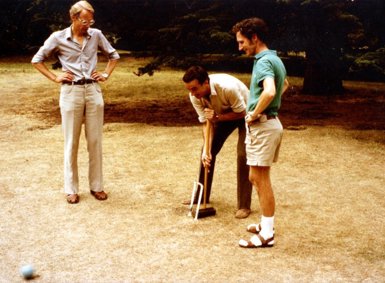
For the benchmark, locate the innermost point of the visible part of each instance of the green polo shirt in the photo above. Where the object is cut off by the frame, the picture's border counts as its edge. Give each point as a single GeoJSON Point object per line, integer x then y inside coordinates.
{"type": "Point", "coordinates": [266, 64]}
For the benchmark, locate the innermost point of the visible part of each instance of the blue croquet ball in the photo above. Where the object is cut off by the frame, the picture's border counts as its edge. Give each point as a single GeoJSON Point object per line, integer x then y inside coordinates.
{"type": "Point", "coordinates": [27, 271]}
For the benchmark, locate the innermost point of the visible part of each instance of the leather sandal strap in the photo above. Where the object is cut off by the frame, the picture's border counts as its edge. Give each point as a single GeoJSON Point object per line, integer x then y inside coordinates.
{"type": "Point", "coordinates": [265, 243]}
{"type": "Point", "coordinates": [254, 228]}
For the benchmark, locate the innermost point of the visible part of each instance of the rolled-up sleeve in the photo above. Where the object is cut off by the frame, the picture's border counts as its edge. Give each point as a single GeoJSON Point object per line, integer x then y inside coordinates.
{"type": "Point", "coordinates": [46, 50]}
{"type": "Point", "coordinates": [106, 48]}
{"type": "Point", "coordinates": [199, 108]}
{"type": "Point", "coordinates": [236, 99]}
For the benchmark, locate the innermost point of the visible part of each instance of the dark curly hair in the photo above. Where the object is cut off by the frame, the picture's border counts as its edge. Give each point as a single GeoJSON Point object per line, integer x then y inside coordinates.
{"type": "Point", "coordinates": [251, 26]}
{"type": "Point", "coordinates": [196, 73]}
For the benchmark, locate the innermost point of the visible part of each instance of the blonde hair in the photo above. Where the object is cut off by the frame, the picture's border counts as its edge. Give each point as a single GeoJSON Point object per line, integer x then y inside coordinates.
{"type": "Point", "coordinates": [79, 6]}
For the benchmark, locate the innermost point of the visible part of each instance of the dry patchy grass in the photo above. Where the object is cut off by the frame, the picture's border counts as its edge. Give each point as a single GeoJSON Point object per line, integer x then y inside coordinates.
{"type": "Point", "coordinates": [329, 186]}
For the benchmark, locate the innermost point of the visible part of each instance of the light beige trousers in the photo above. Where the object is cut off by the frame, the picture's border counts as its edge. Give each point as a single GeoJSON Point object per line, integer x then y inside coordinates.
{"type": "Point", "coordinates": [80, 103]}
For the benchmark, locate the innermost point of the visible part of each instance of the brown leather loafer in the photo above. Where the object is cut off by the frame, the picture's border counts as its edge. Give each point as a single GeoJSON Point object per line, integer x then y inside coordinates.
{"type": "Point", "coordinates": [242, 213]}
{"type": "Point", "coordinates": [99, 195]}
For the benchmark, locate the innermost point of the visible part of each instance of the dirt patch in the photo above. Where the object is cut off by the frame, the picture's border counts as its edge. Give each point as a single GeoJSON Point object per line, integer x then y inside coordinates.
{"type": "Point", "coordinates": [158, 112]}
{"type": "Point", "coordinates": [350, 111]}
{"type": "Point", "coordinates": [164, 100]}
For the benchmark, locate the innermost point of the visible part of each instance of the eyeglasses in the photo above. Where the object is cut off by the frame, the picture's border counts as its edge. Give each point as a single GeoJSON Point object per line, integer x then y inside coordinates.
{"type": "Point", "coordinates": [86, 23]}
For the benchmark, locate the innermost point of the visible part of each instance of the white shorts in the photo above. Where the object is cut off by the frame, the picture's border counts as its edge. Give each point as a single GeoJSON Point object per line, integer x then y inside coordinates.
{"type": "Point", "coordinates": [263, 141]}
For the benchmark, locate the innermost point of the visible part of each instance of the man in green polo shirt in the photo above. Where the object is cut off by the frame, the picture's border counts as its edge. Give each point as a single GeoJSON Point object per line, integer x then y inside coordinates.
{"type": "Point", "coordinates": [264, 130]}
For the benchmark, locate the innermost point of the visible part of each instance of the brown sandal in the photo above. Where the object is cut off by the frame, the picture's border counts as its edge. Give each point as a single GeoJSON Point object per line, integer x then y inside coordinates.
{"type": "Point", "coordinates": [99, 195]}
{"type": "Point", "coordinates": [73, 198]}
{"type": "Point", "coordinates": [254, 228]}
{"type": "Point", "coordinates": [268, 243]}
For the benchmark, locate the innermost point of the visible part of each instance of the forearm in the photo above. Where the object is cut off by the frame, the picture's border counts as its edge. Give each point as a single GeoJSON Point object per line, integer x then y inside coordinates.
{"type": "Point", "coordinates": [110, 66]}
{"type": "Point", "coordinates": [211, 135]}
{"type": "Point", "coordinates": [285, 86]}
{"type": "Point", "coordinates": [264, 101]}
{"type": "Point", "coordinates": [230, 116]}
{"type": "Point", "coordinates": [42, 68]}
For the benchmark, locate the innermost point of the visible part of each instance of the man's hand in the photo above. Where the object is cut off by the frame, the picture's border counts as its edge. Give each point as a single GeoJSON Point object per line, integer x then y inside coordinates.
{"type": "Point", "coordinates": [98, 77]}
{"type": "Point", "coordinates": [64, 77]}
{"type": "Point", "coordinates": [206, 159]}
{"type": "Point", "coordinates": [250, 119]}
{"type": "Point", "coordinates": [210, 114]}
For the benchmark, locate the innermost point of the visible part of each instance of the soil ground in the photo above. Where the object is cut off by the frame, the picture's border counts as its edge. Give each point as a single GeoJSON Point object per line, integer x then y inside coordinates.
{"type": "Point", "coordinates": [329, 185]}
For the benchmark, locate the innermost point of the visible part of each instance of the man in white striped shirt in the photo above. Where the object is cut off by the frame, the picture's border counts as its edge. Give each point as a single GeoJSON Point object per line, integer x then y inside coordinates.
{"type": "Point", "coordinates": [221, 99]}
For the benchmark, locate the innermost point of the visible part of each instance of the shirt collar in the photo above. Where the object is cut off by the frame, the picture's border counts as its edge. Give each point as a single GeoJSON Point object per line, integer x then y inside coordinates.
{"type": "Point", "coordinates": [68, 33]}
{"type": "Point", "coordinates": [263, 53]}
{"type": "Point", "coordinates": [212, 88]}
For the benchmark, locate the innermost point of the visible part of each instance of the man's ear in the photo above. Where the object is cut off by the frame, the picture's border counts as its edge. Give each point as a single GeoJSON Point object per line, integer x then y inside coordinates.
{"type": "Point", "coordinates": [254, 38]}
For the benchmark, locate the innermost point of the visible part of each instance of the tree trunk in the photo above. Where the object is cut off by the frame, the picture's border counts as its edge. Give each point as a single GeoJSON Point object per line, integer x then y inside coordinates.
{"type": "Point", "coordinates": [322, 74]}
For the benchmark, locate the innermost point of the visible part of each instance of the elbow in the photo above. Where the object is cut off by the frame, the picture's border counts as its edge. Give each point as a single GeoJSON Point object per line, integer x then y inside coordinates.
{"type": "Point", "coordinates": [270, 94]}
{"type": "Point", "coordinates": [286, 84]}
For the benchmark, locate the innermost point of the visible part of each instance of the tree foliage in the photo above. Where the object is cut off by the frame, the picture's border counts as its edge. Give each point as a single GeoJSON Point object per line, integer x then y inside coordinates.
{"type": "Point", "coordinates": [325, 30]}
{"type": "Point", "coordinates": [26, 24]}
{"type": "Point", "coordinates": [370, 66]}
{"type": "Point", "coordinates": [332, 33]}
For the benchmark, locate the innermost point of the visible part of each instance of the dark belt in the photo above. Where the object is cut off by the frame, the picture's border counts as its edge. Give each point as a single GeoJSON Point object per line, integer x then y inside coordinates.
{"type": "Point", "coordinates": [80, 82]}
{"type": "Point", "coordinates": [269, 117]}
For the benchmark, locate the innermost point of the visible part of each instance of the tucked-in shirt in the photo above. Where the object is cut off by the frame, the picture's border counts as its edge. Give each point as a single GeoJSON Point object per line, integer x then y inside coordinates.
{"type": "Point", "coordinates": [227, 94]}
{"type": "Point", "coordinates": [267, 64]}
{"type": "Point", "coordinates": [80, 60]}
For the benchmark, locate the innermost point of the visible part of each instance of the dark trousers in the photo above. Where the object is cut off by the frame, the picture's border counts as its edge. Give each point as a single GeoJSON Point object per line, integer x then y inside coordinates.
{"type": "Point", "coordinates": [222, 130]}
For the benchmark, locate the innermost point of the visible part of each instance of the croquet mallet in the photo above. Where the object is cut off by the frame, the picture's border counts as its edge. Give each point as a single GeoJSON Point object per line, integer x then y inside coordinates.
{"type": "Point", "coordinates": [206, 210]}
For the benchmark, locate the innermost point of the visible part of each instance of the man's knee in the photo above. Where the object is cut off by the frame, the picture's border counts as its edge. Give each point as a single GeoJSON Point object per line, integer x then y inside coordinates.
{"type": "Point", "coordinates": [253, 178]}
{"type": "Point", "coordinates": [258, 174]}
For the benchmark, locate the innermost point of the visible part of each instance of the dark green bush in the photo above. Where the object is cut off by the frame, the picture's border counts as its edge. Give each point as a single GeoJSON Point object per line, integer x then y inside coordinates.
{"type": "Point", "coordinates": [370, 66]}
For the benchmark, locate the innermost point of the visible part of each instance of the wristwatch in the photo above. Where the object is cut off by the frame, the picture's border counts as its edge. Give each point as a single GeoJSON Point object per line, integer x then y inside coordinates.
{"type": "Point", "coordinates": [105, 75]}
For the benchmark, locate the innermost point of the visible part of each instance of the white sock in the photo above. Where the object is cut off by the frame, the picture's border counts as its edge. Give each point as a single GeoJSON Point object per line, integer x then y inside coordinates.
{"type": "Point", "coordinates": [267, 227]}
